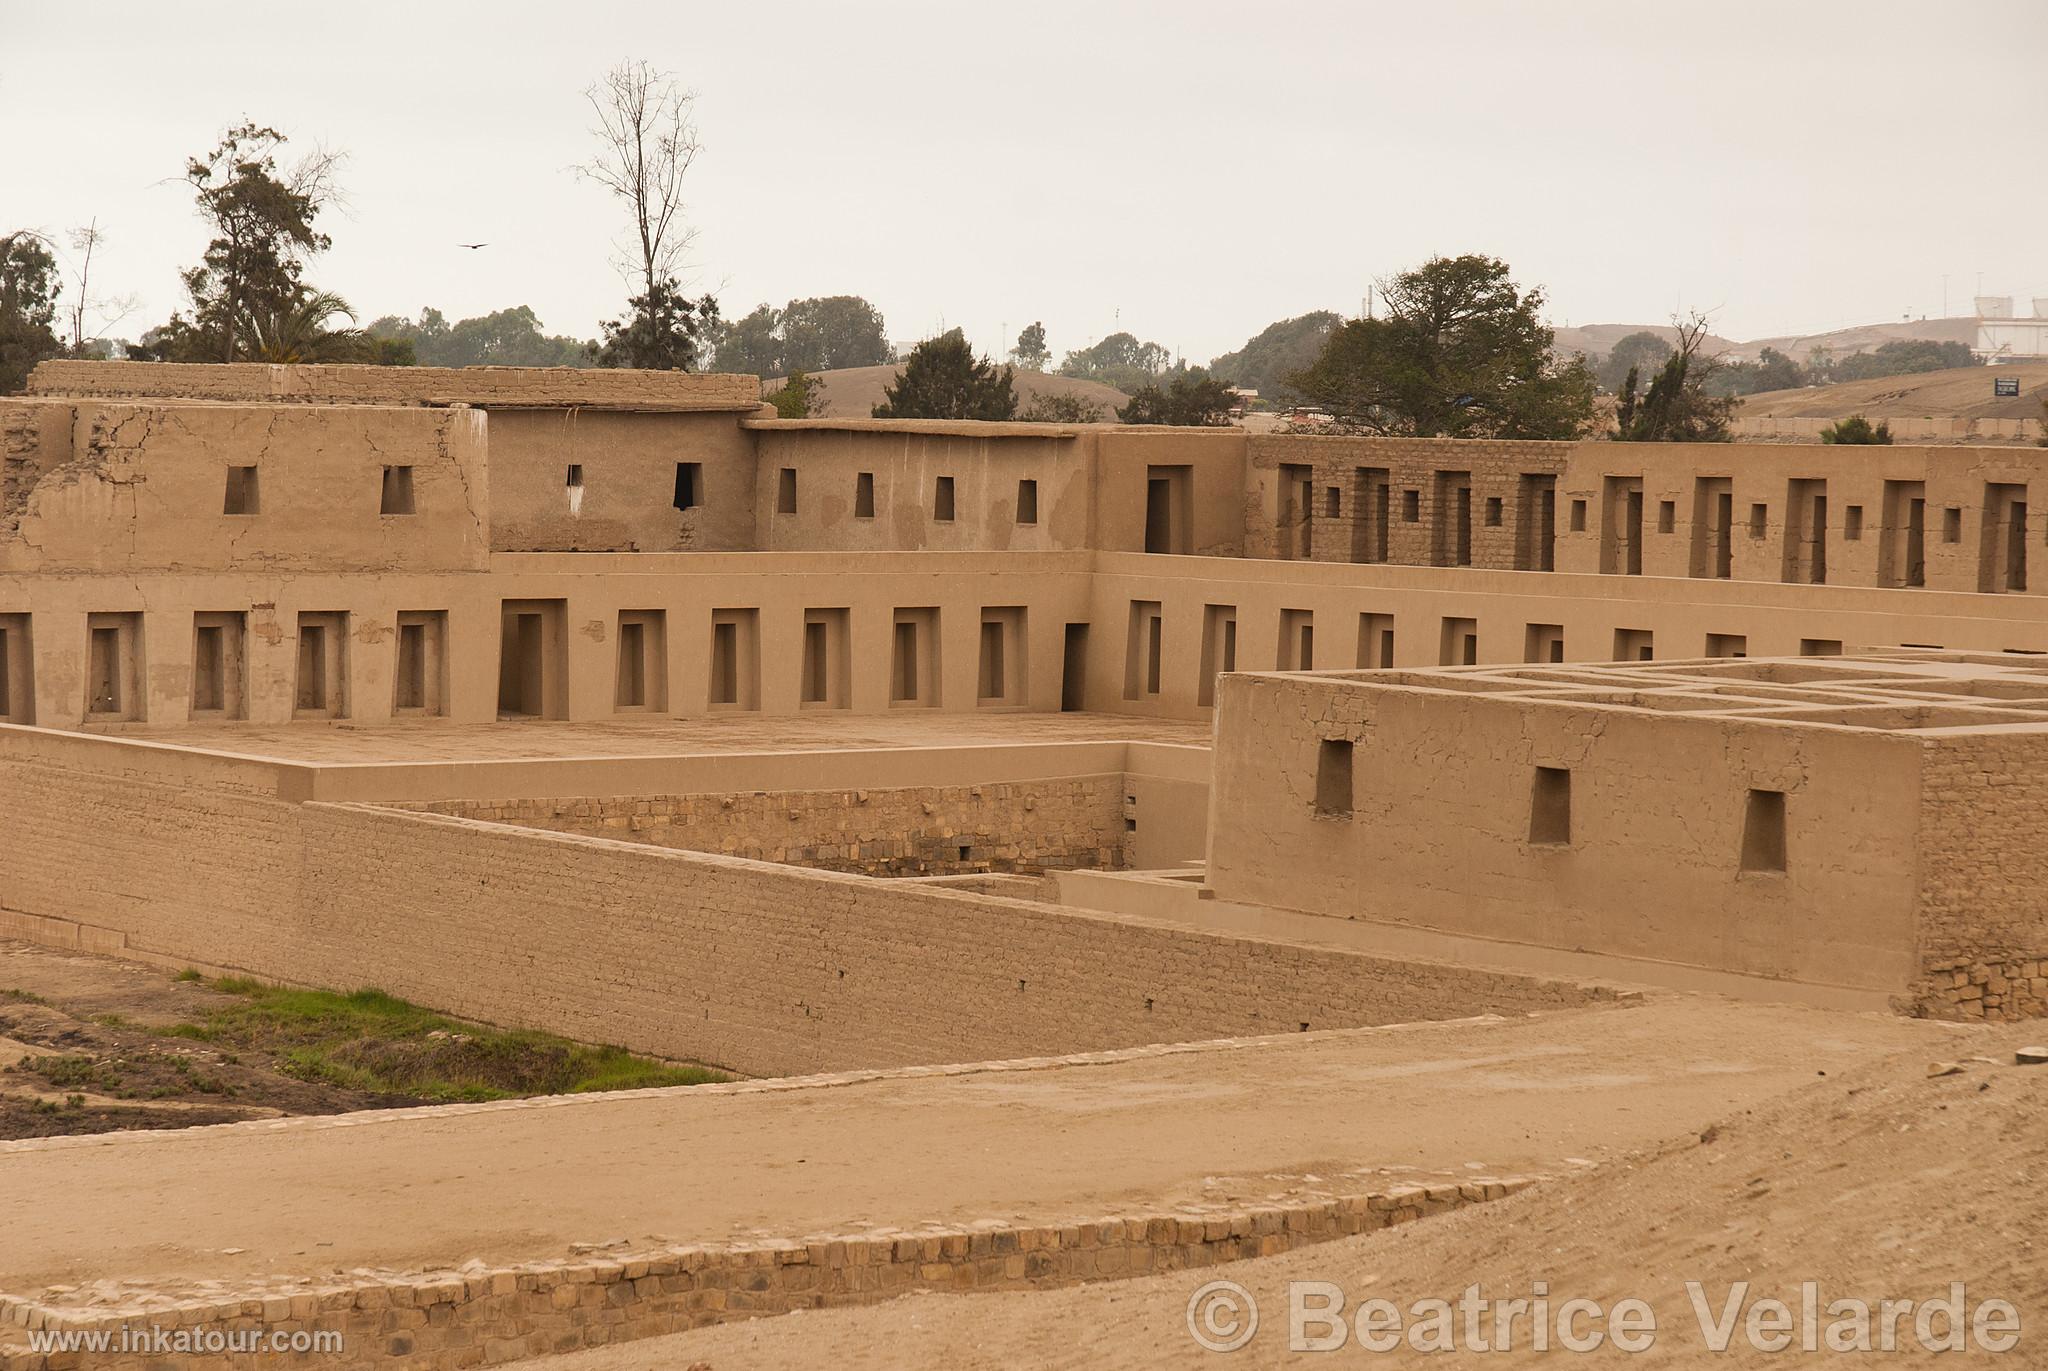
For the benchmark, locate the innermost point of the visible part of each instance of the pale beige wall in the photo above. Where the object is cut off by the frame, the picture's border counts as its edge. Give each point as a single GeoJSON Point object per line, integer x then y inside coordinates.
{"type": "Point", "coordinates": [595, 589]}
{"type": "Point", "coordinates": [629, 473]}
{"type": "Point", "coordinates": [761, 968]}
{"type": "Point", "coordinates": [126, 487]}
{"type": "Point", "coordinates": [1216, 458]}
{"type": "Point", "coordinates": [905, 464]}
{"type": "Point", "coordinates": [1775, 619]}
{"type": "Point", "coordinates": [1439, 833]}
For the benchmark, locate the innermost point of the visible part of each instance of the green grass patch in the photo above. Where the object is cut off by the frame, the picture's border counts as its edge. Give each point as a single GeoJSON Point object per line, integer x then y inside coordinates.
{"type": "Point", "coordinates": [22, 997]}
{"type": "Point", "coordinates": [377, 1043]}
{"type": "Point", "coordinates": [71, 1070]}
{"type": "Point", "coordinates": [190, 973]}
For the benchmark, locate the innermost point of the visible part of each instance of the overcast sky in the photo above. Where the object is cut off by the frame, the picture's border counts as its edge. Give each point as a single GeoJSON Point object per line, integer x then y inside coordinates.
{"type": "Point", "coordinates": [1186, 170]}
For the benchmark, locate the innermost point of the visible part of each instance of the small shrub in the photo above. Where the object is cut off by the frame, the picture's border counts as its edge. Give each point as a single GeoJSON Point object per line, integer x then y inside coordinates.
{"type": "Point", "coordinates": [1857, 431]}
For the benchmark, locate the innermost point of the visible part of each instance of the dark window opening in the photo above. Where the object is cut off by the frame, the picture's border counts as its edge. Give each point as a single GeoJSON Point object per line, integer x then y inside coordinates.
{"type": "Point", "coordinates": [242, 492]}
{"type": "Point", "coordinates": [942, 500]}
{"type": "Point", "coordinates": [864, 495]}
{"type": "Point", "coordinates": [785, 491]}
{"type": "Point", "coordinates": [396, 497]}
{"type": "Point", "coordinates": [1333, 779]}
{"type": "Point", "coordinates": [1763, 831]}
{"type": "Point", "coordinates": [1027, 502]}
{"type": "Point", "coordinates": [689, 485]}
{"type": "Point", "coordinates": [1550, 806]}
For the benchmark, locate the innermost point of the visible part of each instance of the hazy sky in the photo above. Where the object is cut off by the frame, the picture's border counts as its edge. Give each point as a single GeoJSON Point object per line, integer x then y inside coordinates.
{"type": "Point", "coordinates": [1186, 170]}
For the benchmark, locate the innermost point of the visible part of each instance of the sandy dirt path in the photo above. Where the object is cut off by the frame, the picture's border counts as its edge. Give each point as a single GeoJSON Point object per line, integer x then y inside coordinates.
{"type": "Point", "coordinates": [527, 1179]}
{"type": "Point", "coordinates": [1880, 1183]}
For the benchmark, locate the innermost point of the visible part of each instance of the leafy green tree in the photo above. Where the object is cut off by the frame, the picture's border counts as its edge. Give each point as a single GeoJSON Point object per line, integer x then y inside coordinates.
{"type": "Point", "coordinates": [1678, 408]}
{"type": "Point", "coordinates": [1772, 370]}
{"type": "Point", "coordinates": [1904, 357]}
{"type": "Point", "coordinates": [1031, 353]}
{"type": "Point", "coordinates": [28, 306]}
{"type": "Point", "coordinates": [824, 333]}
{"type": "Point", "coordinates": [1462, 352]}
{"type": "Point", "coordinates": [1192, 400]}
{"type": "Point", "coordinates": [943, 379]}
{"type": "Point", "coordinates": [504, 338]}
{"type": "Point", "coordinates": [302, 330]}
{"type": "Point", "coordinates": [1640, 351]}
{"type": "Point", "coordinates": [802, 396]}
{"type": "Point", "coordinates": [751, 345]}
{"type": "Point", "coordinates": [1119, 361]}
{"type": "Point", "coordinates": [833, 332]}
{"type": "Point", "coordinates": [262, 217]}
{"type": "Point", "coordinates": [661, 331]}
{"type": "Point", "coordinates": [1278, 351]}
{"type": "Point", "coordinates": [1857, 431]}
{"type": "Point", "coordinates": [1052, 407]}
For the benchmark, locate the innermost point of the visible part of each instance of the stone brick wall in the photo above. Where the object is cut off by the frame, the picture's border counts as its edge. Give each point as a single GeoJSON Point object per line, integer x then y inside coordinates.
{"type": "Point", "coordinates": [1983, 942]}
{"type": "Point", "coordinates": [479, 1315]}
{"type": "Point", "coordinates": [1026, 826]}
{"type": "Point", "coordinates": [366, 385]}
{"type": "Point", "coordinates": [764, 969]}
{"type": "Point", "coordinates": [1413, 464]}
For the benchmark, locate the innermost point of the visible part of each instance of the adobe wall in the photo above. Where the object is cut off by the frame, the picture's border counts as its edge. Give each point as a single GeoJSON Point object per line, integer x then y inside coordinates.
{"type": "Point", "coordinates": [1983, 943]}
{"type": "Point", "coordinates": [627, 461]}
{"type": "Point", "coordinates": [904, 463]}
{"type": "Point", "coordinates": [761, 968]}
{"type": "Point", "coordinates": [593, 590]}
{"type": "Point", "coordinates": [1278, 525]}
{"type": "Point", "coordinates": [1440, 829]}
{"type": "Point", "coordinates": [260, 383]}
{"type": "Point", "coordinates": [1680, 614]}
{"type": "Point", "coordinates": [939, 830]}
{"type": "Point", "coordinates": [123, 488]}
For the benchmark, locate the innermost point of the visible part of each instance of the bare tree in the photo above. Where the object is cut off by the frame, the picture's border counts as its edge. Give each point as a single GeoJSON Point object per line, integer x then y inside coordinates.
{"type": "Point", "coordinates": [107, 311]}
{"type": "Point", "coordinates": [646, 142]}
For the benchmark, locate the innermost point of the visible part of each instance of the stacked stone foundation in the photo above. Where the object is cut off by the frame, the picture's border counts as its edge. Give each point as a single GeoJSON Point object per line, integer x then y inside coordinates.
{"type": "Point", "coordinates": [481, 1315]}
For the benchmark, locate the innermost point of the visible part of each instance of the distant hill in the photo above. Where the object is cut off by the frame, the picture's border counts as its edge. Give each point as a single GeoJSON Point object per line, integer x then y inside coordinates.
{"type": "Point", "coordinates": [1597, 340]}
{"type": "Point", "coordinates": [1964, 393]}
{"type": "Point", "coordinates": [854, 392]}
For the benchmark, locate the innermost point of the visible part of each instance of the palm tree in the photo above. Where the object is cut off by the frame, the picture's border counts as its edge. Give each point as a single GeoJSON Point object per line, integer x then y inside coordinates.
{"type": "Point", "coordinates": [299, 331]}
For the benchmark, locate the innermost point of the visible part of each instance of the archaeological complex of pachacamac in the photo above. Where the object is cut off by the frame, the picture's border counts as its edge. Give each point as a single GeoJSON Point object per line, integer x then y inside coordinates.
{"type": "Point", "coordinates": [609, 704]}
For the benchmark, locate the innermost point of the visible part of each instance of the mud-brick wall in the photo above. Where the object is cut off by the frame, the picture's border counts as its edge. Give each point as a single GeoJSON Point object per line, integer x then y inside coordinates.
{"type": "Point", "coordinates": [1495, 469]}
{"type": "Point", "coordinates": [1983, 940]}
{"type": "Point", "coordinates": [1027, 826]}
{"type": "Point", "coordinates": [765, 969]}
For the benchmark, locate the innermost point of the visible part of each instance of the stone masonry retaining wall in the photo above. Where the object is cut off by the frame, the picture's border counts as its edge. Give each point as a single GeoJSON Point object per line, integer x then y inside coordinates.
{"type": "Point", "coordinates": [1983, 940]}
{"type": "Point", "coordinates": [1020, 826]}
{"type": "Point", "coordinates": [479, 1315]}
{"type": "Point", "coordinates": [331, 385]}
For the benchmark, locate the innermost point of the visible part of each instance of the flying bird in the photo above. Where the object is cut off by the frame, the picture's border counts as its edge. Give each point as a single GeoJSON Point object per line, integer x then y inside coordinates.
{"type": "Point", "coordinates": [472, 246]}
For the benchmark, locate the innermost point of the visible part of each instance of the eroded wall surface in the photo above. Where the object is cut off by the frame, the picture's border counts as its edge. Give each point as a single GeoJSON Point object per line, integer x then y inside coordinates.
{"type": "Point", "coordinates": [1984, 831]}
{"type": "Point", "coordinates": [1439, 829]}
{"type": "Point", "coordinates": [1004, 826]}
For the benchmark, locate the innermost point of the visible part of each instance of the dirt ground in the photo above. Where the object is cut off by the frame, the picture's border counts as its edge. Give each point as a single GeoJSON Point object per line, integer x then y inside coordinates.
{"type": "Point", "coordinates": [1882, 1182]}
{"type": "Point", "coordinates": [1233, 1122]}
{"type": "Point", "coordinates": [78, 1054]}
{"type": "Point", "coordinates": [94, 1044]}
